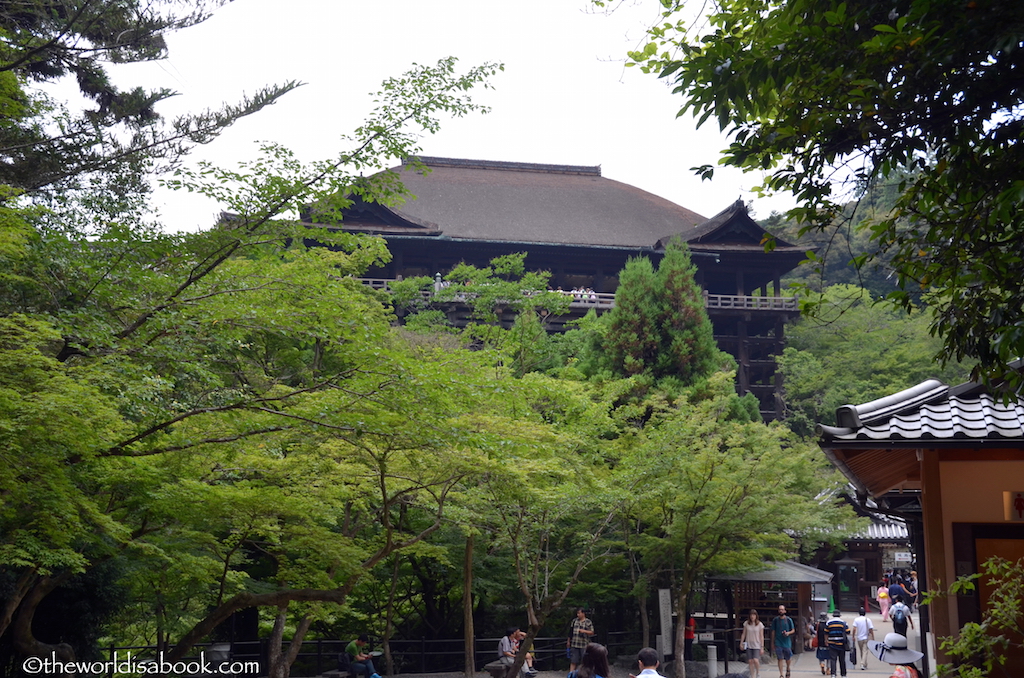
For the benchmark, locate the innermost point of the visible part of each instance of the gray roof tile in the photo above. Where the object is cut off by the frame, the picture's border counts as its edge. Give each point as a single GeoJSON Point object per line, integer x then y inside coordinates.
{"type": "Point", "coordinates": [975, 416]}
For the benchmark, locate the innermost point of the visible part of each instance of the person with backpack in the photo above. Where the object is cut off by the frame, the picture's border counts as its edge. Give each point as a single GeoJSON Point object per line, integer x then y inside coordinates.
{"type": "Point", "coordinates": [900, 616]}
{"type": "Point", "coordinates": [837, 633]}
{"type": "Point", "coordinates": [783, 630]}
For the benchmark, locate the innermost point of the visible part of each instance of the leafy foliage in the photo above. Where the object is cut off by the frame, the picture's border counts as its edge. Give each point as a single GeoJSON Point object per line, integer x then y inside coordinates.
{"type": "Point", "coordinates": [813, 93]}
{"type": "Point", "coordinates": [855, 350]}
{"type": "Point", "coordinates": [44, 146]}
{"type": "Point", "coordinates": [659, 326]}
{"type": "Point", "coordinates": [980, 647]}
{"type": "Point", "coordinates": [227, 413]}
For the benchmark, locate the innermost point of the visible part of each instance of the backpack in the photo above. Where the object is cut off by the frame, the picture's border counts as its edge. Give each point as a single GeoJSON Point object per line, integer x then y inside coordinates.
{"type": "Point", "coordinates": [899, 615]}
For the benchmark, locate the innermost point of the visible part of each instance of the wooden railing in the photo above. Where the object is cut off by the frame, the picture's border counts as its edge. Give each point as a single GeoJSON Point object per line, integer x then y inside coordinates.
{"type": "Point", "coordinates": [604, 302]}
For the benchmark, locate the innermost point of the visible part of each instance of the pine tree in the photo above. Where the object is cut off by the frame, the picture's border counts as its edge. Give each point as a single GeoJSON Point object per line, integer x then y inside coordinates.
{"type": "Point", "coordinates": [659, 326]}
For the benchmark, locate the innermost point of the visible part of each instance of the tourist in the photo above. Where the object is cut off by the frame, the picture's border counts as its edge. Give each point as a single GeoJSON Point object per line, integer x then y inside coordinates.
{"type": "Point", "coordinates": [821, 652]}
{"type": "Point", "coordinates": [783, 630]}
{"type": "Point", "coordinates": [647, 660]}
{"type": "Point", "coordinates": [507, 648]}
{"type": "Point", "coordinates": [752, 642]}
{"type": "Point", "coordinates": [579, 636]}
{"type": "Point", "coordinates": [863, 631]}
{"type": "Point", "coordinates": [883, 599]}
{"type": "Point", "coordinates": [894, 651]}
{"type": "Point", "coordinates": [360, 661]}
{"type": "Point", "coordinates": [594, 663]}
{"type": "Point", "coordinates": [836, 633]}
{"type": "Point", "coordinates": [900, 615]}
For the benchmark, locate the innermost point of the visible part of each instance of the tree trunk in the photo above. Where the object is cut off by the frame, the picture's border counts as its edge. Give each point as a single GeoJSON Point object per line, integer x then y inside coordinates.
{"type": "Point", "coordinates": [469, 633]}
{"type": "Point", "coordinates": [25, 641]}
{"type": "Point", "coordinates": [21, 589]}
{"type": "Point", "coordinates": [645, 621]}
{"type": "Point", "coordinates": [296, 644]}
{"type": "Point", "coordinates": [389, 617]}
{"type": "Point", "coordinates": [274, 659]}
{"type": "Point", "coordinates": [680, 635]}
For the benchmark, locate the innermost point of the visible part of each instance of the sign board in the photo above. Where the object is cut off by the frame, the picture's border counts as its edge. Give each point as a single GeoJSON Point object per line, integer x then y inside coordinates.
{"type": "Point", "coordinates": [705, 637]}
{"type": "Point", "coordinates": [902, 557]}
{"type": "Point", "coordinates": [1013, 506]}
{"type": "Point", "coordinates": [665, 614]}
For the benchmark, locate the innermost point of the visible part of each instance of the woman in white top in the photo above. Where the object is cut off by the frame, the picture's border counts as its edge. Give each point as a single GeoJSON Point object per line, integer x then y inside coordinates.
{"type": "Point", "coordinates": [752, 640]}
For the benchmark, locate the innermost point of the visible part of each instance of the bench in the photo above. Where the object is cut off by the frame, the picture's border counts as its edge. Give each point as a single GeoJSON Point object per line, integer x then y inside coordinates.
{"type": "Point", "coordinates": [335, 673]}
{"type": "Point", "coordinates": [496, 668]}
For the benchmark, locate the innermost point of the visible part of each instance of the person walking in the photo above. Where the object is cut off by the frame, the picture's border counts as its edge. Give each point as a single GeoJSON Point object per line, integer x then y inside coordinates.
{"type": "Point", "coordinates": [863, 631]}
{"type": "Point", "coordinates": [783, 630]}
{"type": "Point", "coordinates": [900, 615]}
{"type": "Point", "coordinates": [883, 600]}
{"type": "Point", "coordinates": [821, 652]}
{"type": "Point", "coordinates": [752, 641]}
{"type": "Point", "coordinates": [837, 632]}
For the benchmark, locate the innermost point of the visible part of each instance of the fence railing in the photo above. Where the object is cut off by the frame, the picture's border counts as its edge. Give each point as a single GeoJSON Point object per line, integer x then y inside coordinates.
{"type": "Point", "coordinates": [318, 656]}
{"type": "Point", "coordinates": [604, 301]}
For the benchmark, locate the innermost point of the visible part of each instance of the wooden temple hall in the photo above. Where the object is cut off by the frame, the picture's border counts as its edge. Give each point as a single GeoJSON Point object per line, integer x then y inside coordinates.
{"type": "Point", "coordinates": [582, 227]}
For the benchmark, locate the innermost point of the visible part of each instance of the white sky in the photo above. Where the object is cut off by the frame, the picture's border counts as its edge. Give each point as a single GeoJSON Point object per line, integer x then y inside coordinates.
{"type": "Point", "coordinates": [565, 96]}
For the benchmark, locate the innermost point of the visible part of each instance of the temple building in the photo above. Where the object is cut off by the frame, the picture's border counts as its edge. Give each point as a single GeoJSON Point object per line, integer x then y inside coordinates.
{"type": "Point", "coordinates": [582, 228]}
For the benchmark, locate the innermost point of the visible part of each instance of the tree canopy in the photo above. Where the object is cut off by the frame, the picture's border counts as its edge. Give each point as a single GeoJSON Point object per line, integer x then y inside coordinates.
{"type": "Point", "coordinates": [43, 144]}
{"type": "Point", "coordinates": [814, 93]}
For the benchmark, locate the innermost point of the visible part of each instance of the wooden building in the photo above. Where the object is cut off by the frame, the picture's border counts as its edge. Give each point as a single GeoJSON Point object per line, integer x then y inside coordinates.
{"type": "Point", "coordinates": [583, 227]}
{"type": "Point", "coordinates": [952, 459]}
{"type": "Point", "coordinates": [786, 583]}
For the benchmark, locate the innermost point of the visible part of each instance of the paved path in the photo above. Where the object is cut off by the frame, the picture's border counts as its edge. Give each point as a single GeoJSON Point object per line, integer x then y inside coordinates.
{"type": "Point", "coordinates": [805, 665]}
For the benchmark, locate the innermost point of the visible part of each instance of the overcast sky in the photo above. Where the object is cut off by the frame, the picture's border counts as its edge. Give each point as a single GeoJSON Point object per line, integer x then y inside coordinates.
{"type": "Point", "coordinates": [565, 96]}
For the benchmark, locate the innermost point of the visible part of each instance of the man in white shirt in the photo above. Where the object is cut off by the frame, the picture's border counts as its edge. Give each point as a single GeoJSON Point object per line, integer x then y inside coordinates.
{"type": "Point", "coordinates": [648, 660]}
{"type": "Point", "coordinates": [863, 631]}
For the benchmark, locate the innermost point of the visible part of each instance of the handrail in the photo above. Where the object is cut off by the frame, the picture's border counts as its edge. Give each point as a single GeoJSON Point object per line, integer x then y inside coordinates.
{"type": "Point", "coordinates": [604, 301]}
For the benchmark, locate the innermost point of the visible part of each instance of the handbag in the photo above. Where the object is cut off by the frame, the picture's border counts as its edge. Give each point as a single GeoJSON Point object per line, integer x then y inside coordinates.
{"type": "Point", "coordinates": [814, 641]}
{"type": "Point", "coordinates": [853, 656]}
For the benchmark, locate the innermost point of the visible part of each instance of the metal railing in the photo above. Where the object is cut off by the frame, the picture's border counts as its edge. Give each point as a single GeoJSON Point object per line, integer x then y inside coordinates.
{"type": "Point", "coordinates": [318, 656]}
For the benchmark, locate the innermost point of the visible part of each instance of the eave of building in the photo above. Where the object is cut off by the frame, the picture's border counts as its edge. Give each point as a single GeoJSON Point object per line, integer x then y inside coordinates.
{"type": "Point", "coordinates": [879, 443]}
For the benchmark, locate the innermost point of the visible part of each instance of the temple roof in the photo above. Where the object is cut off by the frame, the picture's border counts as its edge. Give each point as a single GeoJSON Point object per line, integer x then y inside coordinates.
{"type": "Point", "coordinates": [875, 444]}
{"type": "Point", "coordinates": [526, 202]}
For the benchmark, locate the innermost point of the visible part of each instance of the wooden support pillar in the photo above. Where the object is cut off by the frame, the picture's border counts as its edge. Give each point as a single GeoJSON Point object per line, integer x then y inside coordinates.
{"type": "Point", "coordinates": [743, 357]}
{"type": "Point", "coordinates": [938, 570]}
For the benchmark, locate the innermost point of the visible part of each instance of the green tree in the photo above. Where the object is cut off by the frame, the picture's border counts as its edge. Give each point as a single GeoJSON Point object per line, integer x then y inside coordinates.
{"type": "Point", "coordinates": [229, 407]}
{"type": "Point", "coordinates": [714, 494]}
{"type": "Point", "coordinates": [812, 92]}
{"type": "Point", "coordinates": [42, 144]}
{"type": "Point", "coordinates": [980, 648]}
{"type": "Point", "coordinates": [855, 350]}
{"type": "Point", "coordinates": [659, 326]}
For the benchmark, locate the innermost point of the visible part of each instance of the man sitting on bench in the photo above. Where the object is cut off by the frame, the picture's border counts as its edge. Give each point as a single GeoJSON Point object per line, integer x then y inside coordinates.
{"type": "Point", "coordinates": [507, 648]}
{"type": "Point", "coordinates": [360, 662]}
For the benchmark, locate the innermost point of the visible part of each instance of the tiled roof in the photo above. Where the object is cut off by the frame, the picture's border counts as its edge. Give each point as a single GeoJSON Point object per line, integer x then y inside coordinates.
{"type": "Point", "coordinates": [929, 412]}
{"type": "Point", "coordinates": [785, 571]}
{"type": "Point", "coordinates": [885, 530]}
{"type": "Point", "coordinates": [526, 202]}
